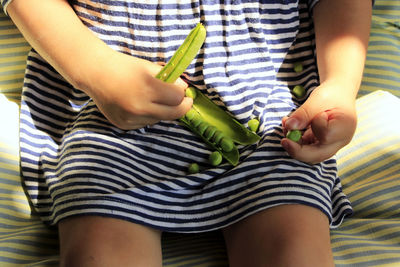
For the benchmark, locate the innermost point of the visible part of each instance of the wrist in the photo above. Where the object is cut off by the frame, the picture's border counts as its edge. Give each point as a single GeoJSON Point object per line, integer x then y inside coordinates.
{"type": "Point", "coordinates": [331, 95]}
{"type": "Point", "coordinates": [87, 71]}
{"type": "Point", "coordinates": [341, 88]}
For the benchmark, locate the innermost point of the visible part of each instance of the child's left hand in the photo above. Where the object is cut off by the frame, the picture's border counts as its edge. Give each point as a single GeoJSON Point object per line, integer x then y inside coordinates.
{"type": "Point", "coordinates": [329, 120]}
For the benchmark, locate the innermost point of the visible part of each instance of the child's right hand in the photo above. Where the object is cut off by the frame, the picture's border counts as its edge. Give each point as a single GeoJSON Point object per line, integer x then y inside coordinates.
{"type": "Point", "coordinates": [123, 87]}
{"type": "Point", "coordinates": [126, 91]}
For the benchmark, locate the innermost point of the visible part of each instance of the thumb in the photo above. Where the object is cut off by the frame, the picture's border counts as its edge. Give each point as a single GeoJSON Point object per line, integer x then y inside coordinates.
{"type": "Point", "coordinates": [298, 120]}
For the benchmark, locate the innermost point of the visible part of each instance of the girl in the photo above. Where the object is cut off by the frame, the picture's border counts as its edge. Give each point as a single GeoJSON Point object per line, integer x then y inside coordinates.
{"type": "Point", "coordinates": [105, 160]}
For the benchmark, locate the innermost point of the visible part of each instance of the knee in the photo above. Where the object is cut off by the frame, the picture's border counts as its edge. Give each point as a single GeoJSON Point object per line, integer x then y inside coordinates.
{"type": "Point", "coordinates": [283, 236]}
{"type": "Point", "coordinates": [78, 252]}
{"type": "Point", "coordinates": [301, 242]}
{"type": "Point", "coordinates": [299, 250]}
{"type": "Point", "coordinates": [96, 241]}
{"type": "Point", "coordinates": [78, 257]}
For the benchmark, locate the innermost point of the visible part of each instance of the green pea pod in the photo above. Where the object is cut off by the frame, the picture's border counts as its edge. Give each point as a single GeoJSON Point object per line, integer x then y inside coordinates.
{"type": "Point", "coordinates": [216, 127]}
{"type": "Point", "coordinates": [184, 55]}
{"type": "Point", "coordinates": [216, 116]}
{"type": "Point", "coordinates": [226, 129]}
{"type": "Point", "coordinates": [232, 156]}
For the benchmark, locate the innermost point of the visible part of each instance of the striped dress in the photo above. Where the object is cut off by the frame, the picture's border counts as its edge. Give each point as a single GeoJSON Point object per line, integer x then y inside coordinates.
{"type": "Point", "coordinates": [74, 162]}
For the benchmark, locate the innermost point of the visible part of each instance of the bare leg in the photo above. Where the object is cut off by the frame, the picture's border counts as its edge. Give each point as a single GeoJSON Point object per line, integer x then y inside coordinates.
{"type": "Point", "coordinates": [287, 235]}
{"type": "Point", "coordinates": [99, 241]}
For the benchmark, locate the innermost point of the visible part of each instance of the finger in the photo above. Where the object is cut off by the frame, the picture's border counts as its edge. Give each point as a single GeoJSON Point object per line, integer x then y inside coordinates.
{"type": "Point", "coordinates": [285, 130]}
{"type": "Point", "coordinates": [298, 120]}
{"type": "Point", "coordinates": [333, 126]}
{"type": "Point", "coordinates": [320, 127]}
{"type": "Point", "coordinates": [134, 122]}
{"type": "Point", "coordinates": [308, 137]}
{"type": "Point", "coordinates": [165, 112]}
{"type": "Point", "coordinates": [342, 126]}
{"type": "Point", "coordinates": [140, 122]}
{"type": "Point", "coordinates": [156, 113]}
{"type": "Point", "coordinates": [181, 83]}
{"type": "Point", "coordinates": [169, 94]}
{"type": "Point", "coordinates": [311, 154]}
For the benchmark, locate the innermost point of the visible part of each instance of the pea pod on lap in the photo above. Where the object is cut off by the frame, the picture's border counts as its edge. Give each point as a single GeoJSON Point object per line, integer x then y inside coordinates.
{"type": "Point", "coordinates": [216, 127]}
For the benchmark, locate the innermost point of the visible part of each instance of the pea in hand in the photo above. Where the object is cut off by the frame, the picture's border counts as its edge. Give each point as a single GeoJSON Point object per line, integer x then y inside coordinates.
{"type": "Point", "coordinates": [328, 123]}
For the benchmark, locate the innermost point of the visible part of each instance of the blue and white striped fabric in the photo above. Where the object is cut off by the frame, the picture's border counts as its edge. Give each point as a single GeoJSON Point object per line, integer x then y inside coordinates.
{"type": "Point", "coordinates": [75, 162]}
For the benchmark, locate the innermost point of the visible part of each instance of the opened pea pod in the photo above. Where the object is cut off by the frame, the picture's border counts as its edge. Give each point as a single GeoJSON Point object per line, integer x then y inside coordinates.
{"type": "Point", "coordinates": [216, 127]}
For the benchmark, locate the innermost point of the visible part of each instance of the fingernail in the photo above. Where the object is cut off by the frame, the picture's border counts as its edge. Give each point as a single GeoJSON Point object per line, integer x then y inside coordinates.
{"type": "Point", "coordinates": [292, 123]}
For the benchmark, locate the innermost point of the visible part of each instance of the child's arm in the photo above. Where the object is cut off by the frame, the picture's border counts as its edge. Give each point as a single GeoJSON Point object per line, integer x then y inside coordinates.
{"type": "Point", "coordinates": [342, 30]}
{"type": "Point", "coordinates": [122, 86]}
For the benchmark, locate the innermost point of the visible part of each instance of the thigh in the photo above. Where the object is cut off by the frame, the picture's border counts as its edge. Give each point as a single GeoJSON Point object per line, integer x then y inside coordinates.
{"type": "Point", "coordinates": [100, 241]}
{"type": "Point", "coordinates": [286, 235]}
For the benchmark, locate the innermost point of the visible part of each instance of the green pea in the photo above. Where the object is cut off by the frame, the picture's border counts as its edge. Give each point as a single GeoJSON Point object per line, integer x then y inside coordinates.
{"type": "Point", "coordinates": [294, 135]}
{"type": "Point", "coordinates": [298, 67]}
{"type": "Point", "coordinates": [190, 114]}
{"type": "Point", "coordinates": [193, 168]}
{"type": "Point", "coordinates": [215, 158]}
{"type": "Point", "coordinates": [196, 116]}
{"type": "Point", "coordinates": [197, 119]}
{"type": "Point", "coordinates": [191, 92]}
{"type": "Point", "coordinates": [202, 127]}
{"type": "Point", "coordinates": [209, 133]}
{"type": "Point", "coordinates": [218, 135]}
{"type": "Point", "coordinates": [227, 144]}
{"type": "Point", "coordinates": [254, 124]}
{"type": "Point", "coordinates": [299, 91]}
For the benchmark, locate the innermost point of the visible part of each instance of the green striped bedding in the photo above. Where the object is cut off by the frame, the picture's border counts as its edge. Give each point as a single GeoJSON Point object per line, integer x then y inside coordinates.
{"type": "Point", "coordinates": [370, 172]}
{"type": "Point", "coordinates": [369, 167]}
{"type": "Point", "coordinates": [13, 52]}
{"type": "Point", "coordinates": [382, 69]}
